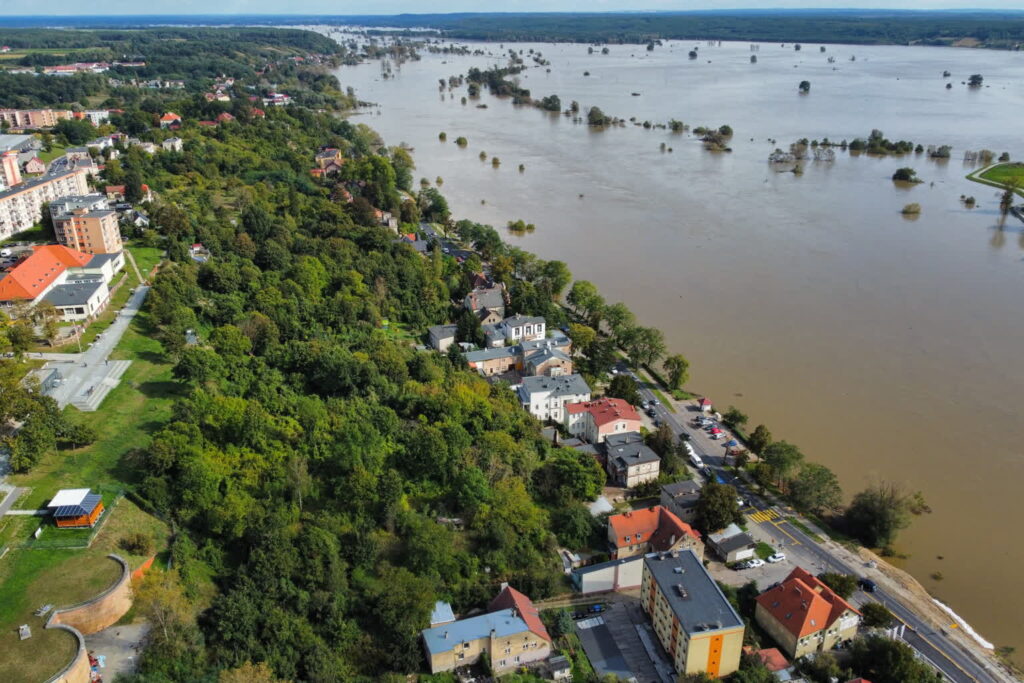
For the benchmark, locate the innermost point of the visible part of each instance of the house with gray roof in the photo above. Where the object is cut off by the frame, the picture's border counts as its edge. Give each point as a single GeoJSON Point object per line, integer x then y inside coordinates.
{"type": "Point", "coordinates": [732, 544]}
{"type": "Point", "coordinates": [546, 397]}
{"type": "Point", "coordinates": [628, 460]}
{"type": "Point", "coordinates": [492, 298]}
{"type": "Point", "coordinates": [681, 498]}
{"type": "Point", "coordinates": [441, 337]}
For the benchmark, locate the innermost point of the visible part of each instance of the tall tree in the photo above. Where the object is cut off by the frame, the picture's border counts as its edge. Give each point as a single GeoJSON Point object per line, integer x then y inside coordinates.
{"type": "Point", "coordinates": [815, 488]}
{"type": "Point", "coordinates": [678, 370]}
{"type": "Point", "coordinates": [759, 439]}
{"type": "Point", "coordinates": [784, 458]}
{"type": "Point", "coordinates": [878, 513]}
{"type": "Point", "coordinates": [717, 507]}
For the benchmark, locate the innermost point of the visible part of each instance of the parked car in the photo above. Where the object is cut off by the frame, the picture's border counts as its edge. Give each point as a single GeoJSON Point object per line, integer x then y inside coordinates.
{"type": "Point", "coordinates": [689, 449]}
{"type": "Point", "coordinates": [652, 412]}
{"type": "Point", "coordinates": [739, 501]}
{"type": "Point", "coordinates": [755, 563]}
{"type": "Point", "coordinates": [867, 585]}
{"type": "Point", "coordinates": [777, 557]}
{"type": "Point", "coordinates": [695, 459]}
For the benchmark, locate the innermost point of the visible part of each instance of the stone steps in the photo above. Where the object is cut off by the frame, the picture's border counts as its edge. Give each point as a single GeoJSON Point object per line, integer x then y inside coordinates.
{"type": "Point", "coordinates": [90, 398]}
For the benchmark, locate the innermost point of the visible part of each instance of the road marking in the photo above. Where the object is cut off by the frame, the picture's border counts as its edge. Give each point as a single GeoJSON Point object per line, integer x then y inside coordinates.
{"type": "Point", "coordinates": [922, 636]}
{"type": "Point", "coordinates": [764, 516]}
{"type": "Point", "coordinates": [778, 525]}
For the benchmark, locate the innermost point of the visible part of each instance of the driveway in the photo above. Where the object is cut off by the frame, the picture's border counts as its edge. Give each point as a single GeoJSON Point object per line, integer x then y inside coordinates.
{"type": "Point", "coordinates": [120, 647]}
{"type": "Point", "coordinates": [90, 375]}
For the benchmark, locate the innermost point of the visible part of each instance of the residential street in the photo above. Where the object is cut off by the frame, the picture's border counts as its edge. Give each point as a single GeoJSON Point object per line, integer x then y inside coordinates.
{"type": "Point", "coordinates": [770, 523]}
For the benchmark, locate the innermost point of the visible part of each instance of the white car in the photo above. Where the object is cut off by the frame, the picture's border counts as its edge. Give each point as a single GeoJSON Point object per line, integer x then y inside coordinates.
{"type": "Point", "coordinates": [689, 449]}
{"type": "Point", "coordinates": [777, 557]}
{"type": "Point", "coordinates": [754, 563]}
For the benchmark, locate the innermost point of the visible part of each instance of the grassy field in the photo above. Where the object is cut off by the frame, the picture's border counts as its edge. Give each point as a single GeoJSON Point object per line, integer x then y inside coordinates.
{"type": "Point", "coordinates": [32, 578]}
{"type": "Point", "coordinates": [1006, 174]}
{"type": "Point", "coordinates": [146, 258]}
{"type": "Point", "coordinates": [54, 152]}
{"type": "Point", "coordinates": [137, 407]}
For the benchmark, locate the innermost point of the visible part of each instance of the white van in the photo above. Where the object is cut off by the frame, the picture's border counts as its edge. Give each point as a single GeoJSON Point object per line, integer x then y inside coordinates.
{"type": "Point", "coordinates": [5, 252]}
{"type": "Point", "coordinates": [695, 459]}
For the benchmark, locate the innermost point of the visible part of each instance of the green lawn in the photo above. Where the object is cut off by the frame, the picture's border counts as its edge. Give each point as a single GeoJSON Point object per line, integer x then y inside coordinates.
{"type": "Point", "coordinates": [764, 551]}
{"type": "Point", "coordinates": [146, 258]}
{"type": "Point", "coordinates": [54, 152]}
{"type": "Point", "coordinates": [1006, 173]}
{"type": "Point", "coordinates": [32, 578]}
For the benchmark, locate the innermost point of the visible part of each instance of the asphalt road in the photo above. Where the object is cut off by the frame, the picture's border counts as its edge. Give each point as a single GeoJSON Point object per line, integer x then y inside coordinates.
{"type": "Point", "coordinates": [955, 662]}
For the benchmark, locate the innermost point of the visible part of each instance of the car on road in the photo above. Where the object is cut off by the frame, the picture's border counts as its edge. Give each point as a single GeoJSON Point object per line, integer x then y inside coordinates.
{"type": "Point", "coordinates": [867, 585]}
{"type": "Point", "coordinates": [655, 402]}
{"type": "Point", "coordinates": [685, 436]}
{"type": "Point", "coordinates": [657, 422]}
{"type": "Point", "coordinates": [652, 412]}
{"type": "Point", "coordinates": [777, 557]}
{"type": "Point", "coordinates": [742, 503]}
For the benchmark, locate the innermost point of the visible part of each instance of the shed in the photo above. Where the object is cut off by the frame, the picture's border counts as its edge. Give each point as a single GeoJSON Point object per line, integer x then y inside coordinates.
{"type": "Point", "coordinates": [76, 508]}
{"type": "Point", "coordinates": [705, 405]}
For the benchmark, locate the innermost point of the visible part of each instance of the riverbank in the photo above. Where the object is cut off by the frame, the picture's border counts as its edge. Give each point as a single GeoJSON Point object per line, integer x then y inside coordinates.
{"type": "Point", "coordinates": [1001, 175]}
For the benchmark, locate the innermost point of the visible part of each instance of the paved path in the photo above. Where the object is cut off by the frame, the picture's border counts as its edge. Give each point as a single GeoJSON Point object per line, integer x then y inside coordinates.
{"type": "Point", "coordinates": [89, 376]}
{"type": "Point", "coordinates": [955, 661]}
{"type": "Point", "coordinates": [11, 496]}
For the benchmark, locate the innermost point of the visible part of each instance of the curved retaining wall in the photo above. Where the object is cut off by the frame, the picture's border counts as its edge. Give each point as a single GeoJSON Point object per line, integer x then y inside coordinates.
{"type": "Point", "coordinates": [103, 610]}
{"type": "Point", "coordinates": [89, 617]}
{"type": "Point", "coordinates": [78, 670]}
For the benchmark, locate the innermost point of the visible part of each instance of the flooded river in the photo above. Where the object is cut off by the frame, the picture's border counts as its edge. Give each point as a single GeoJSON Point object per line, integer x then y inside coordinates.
{"type": "Point", "coordinates": [883, 347]}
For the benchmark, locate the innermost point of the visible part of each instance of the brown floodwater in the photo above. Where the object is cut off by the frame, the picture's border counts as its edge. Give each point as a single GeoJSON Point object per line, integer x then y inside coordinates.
{"type": "Point", "coordinates": [885, 348]}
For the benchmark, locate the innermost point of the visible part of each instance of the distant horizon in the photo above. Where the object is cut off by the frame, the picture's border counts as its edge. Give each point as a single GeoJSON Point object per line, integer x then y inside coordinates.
{"type": "Point", "coordinates": [66, 9]}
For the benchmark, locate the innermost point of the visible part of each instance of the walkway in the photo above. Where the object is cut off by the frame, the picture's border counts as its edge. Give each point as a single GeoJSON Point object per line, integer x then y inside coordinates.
{"type": "Point", "coordinates": [89, 376]}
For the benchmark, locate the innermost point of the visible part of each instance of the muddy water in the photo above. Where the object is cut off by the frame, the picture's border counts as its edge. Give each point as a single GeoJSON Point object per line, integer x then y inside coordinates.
{"type": "Point", "coordinates": [885, 348]}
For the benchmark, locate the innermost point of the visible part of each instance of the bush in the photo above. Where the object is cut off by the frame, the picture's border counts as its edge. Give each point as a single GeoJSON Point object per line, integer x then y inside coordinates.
{"type": "Point", "coordinates": [136, 543]}
{"type": "Point", "coordinates": [906, 175]}
{"type": "Point", "coordinates": [911, 209]}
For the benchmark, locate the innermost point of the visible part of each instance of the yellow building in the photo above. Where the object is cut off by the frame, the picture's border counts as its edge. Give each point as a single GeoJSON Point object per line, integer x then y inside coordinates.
{"type": "Point", "coordinates": [510, 633]}
{"type": "Point", "coordinates": [804, 615]}
{"type": "Point", "coordinates": [693, 619]}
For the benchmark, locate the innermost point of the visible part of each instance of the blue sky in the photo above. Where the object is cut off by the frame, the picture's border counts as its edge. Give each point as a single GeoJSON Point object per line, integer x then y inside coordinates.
{"type": "Point", "coordinates": [99, 7]}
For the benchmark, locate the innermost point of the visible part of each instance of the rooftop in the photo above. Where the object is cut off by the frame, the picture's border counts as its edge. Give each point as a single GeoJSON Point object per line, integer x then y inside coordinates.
{"type": "Point", "coordinates": [31, 277]}
{"type": "Point", "coordinates": [655, 525]}
{"type": "Point", "coordinates": [490, 354]}
{"type": "Point", "coordinates": [509, 613]}
{"type": "Point", "coordinates": [442, 613]}
{"type": "Point", "coordinates": [565, 385]}
{"type": "Point", "coordinates": [685, 488]}
{"type": "Point", "coordinates": [606, 410]}
{"type": "Point", "coordinates": [802, 604]}
{"type": "Point", "coordinates": [519, 319]}
{"type": "Point", "coordinates": [35, 182]}
{"type": "Point", "coordinates": [628, 449]}
{"type": "Point", "coordinates": [74, 502]}
{"type": "Point", "coordinates": [76, 293]}
{"type": "Point", "coordinates": [693, 596]}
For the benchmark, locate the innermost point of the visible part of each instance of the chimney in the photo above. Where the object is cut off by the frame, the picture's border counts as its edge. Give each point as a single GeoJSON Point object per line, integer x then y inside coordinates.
{"type": "Point", "coordinates": [672, 540]}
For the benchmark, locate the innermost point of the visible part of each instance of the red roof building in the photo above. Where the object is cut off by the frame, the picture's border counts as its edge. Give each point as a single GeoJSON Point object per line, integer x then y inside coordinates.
{"type": "Point", "coordinates": [705, 404]}
{"type": "Point", "coordinates": [510, 598]}
{"type": "Point", "coordinates": [259, 113]}
{"type": "Point", "coordinates": [595, 420]}
{"type": "Point", "coordinates": [42, 270]}
{"type": "Point", "coordinates": [771, 657]}
{"type": "Point", "coordinates": [208, 124]}
{"type": "Point", "coordinates": [224, 117]}
{"type": "Point", "coordinates": [654, 529]}
{"type": "Point", "coordinates": [804, 615]}
{"type": "Point", "coordinates": [169, 118]}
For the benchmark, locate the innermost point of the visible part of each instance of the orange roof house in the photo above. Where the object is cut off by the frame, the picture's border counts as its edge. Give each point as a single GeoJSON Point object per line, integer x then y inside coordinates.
{"type": "Point", "coordinates": [169, 118]}
{"type": "Point", "coordinates": [771, 657]}
{"type": "Point", "coordinates": [804, 615]}
{"type": "Point", "coordinates": [654, 529]}
{"type": "Point", "coordinates": [510, 598]}
{"type": "Point", "coordinates": [33, 277]}
{"type": "Point", "coordinates": [224, 117]}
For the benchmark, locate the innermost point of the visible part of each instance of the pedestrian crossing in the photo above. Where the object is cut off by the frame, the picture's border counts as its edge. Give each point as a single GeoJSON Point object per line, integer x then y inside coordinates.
{"type": "Point", "coordinates": [763, 515]}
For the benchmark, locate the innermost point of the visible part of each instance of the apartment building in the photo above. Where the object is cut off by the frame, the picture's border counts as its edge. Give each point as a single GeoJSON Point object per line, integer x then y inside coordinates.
{"type": "Point", "coordinates": [84, 223]}
{"type": "Point", "coordinates": [692, 618]}
{"type": "Point", "coordinates": [21, 205]}
{"type": "Point", "coordinates": [33, 118]}
{"type": "Point", "coordinates": [546, 397]}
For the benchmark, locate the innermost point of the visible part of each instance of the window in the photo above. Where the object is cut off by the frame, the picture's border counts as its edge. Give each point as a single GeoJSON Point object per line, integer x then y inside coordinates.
{"type": "Point", "coordinates": [508, 650]}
